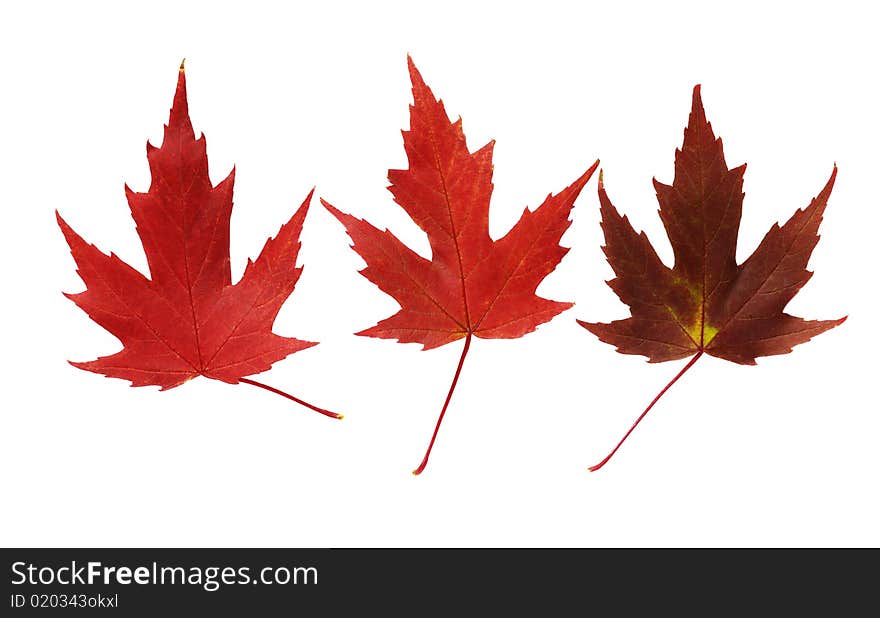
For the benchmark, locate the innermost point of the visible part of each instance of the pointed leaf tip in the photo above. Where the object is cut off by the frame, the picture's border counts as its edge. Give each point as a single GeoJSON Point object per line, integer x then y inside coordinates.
{"type": "Point", "coordinates": [330, 207]}
{"type": "Point", "coordinates": [182, 62]}
{"type": "Point", "coordinates": [178, 118]}
{"type": "Point", "coordinates": [419, 86]}
{"type": "Point", "coordinates": [697, 102]}
{"type": "Point", "coordinates": [590, 170]}
{"type": "Point", "coordinates": [308, 200]}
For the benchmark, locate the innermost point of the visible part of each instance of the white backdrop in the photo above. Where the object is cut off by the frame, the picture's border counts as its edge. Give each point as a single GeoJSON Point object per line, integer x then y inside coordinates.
{"type": "Point", "coordinates": [784, 453]}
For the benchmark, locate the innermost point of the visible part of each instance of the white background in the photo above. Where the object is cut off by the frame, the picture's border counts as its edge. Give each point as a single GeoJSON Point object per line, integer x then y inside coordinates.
{"type": "Point", "coordinates": [785, 453]}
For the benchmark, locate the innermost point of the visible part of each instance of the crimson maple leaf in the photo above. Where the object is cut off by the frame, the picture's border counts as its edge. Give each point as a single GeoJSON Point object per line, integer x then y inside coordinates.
{"type": "Point", "coordinates": [472, 285]}
{"type": "Point", "coordinates": [188, 319]}
{"type": "Point", "coordinates": [707, 303]}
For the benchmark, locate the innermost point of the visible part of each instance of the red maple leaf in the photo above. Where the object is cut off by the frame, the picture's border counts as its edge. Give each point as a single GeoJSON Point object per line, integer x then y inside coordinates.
{"type": "Point", "coordinates": [472, 285]}
{"type": "Point", "coordinates": [707, 303]}
{"type": "Point", "coordinates": [188, 319]}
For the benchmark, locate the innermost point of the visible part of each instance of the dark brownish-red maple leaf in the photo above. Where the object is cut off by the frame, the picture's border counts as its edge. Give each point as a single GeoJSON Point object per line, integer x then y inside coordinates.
{"type": "Point", "coordinates": [472, 285]}
{"type": "Point", "coordinates": [188, 319]}
{"type": "Point", "coordinates": [707, 303]}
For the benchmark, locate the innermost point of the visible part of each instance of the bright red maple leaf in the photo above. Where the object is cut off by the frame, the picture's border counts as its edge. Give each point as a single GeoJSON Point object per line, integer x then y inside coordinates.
{"type": "Point", "coordinates": [472, 285]}
{"type": "Point", "coordinates": [188, 319]}
{"type": "Point", "coordinates": [707, 303]}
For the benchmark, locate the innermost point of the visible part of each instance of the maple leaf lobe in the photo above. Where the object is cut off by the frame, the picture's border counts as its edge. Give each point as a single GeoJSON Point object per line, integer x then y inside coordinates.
{"type": "Point", "coordinates": [707, 302]}
{"type": "Point", "coordinates": [471, 284]}
{"type": "Point", "coordinates": [187, 319]}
